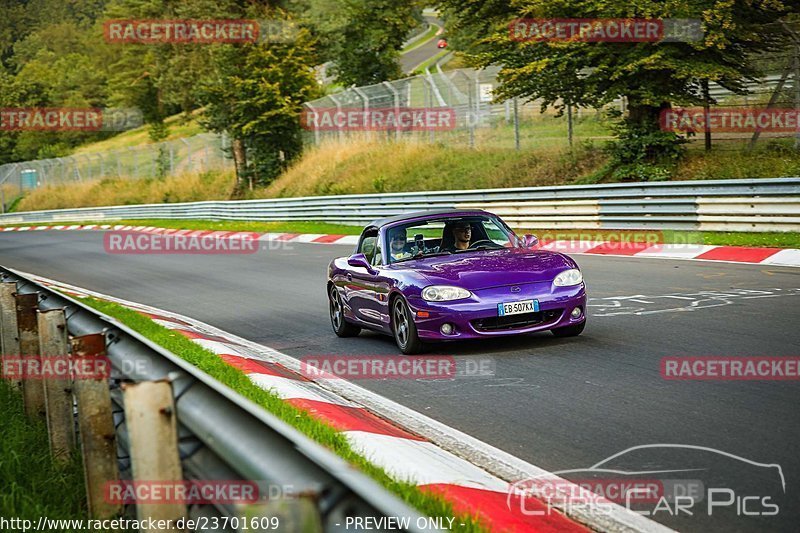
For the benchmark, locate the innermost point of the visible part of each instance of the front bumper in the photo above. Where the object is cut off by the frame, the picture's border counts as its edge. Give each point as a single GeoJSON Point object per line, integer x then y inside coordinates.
{"type": "Point", "coordinates": [477, 317]}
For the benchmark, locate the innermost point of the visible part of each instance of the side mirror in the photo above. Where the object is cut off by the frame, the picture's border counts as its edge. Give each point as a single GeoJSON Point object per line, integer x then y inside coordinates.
{"type": "Point", "coordinates": [529, 241]}
{"type": "Point", "coordinates": [360, 260]}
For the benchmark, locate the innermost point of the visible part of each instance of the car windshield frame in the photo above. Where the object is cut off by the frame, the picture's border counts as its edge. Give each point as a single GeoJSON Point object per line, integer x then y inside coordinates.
{"type": "Point", "coordinates": [473, 218]}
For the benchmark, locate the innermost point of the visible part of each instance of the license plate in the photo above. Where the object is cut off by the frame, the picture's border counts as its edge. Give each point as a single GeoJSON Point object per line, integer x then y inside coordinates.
{"type": "Point", "coordinates": [517, 308]}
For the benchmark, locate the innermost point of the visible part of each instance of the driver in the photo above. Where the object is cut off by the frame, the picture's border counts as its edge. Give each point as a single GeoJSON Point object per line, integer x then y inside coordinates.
{"type": "Point", "coordinates": [397, 244]}
{"type": "Point", "coordinates": [462, 235]}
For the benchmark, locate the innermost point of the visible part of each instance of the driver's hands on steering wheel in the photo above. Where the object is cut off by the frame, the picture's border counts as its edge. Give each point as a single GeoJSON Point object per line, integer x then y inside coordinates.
{"type": "Point", "coordinates": [482, 242]}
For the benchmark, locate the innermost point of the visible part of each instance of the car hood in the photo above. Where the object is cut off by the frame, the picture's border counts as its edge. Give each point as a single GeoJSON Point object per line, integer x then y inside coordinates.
{"type": "Point", "coordinates": [493, 268]}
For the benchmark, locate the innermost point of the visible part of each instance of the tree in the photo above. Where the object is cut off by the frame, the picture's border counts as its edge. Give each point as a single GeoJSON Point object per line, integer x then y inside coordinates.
{"type": "Point", "coordinates": [651, 76]}
{"type": "Point", "coordinates": [51, 60]}
{"type": "Point", "coordinates": [362, 37]}
{"type": "Point", "coordinates": [256, 95]}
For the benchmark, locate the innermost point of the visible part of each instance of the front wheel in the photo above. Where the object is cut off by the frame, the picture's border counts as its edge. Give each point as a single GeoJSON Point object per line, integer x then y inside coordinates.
{"type": "Point", "coordinates": [341, 327]}
{"type": "Point", "coordinates": [404, 329]}
{"type": "Point", "coordinates": [569, 331]}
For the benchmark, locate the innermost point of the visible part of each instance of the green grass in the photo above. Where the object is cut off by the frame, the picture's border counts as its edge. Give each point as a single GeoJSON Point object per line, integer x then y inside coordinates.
{"type": "Point", "coordinates": [179, 126]}
{"type": "Point", "coordinates": [770, 239]}
{"type": "Point", "coordinates": [265, 227]}
{"type": "Point", "coordinates": [31, 484]}
{"type": "Point", "coordinates": [322, 433]}
{"type": "Point", "coordinates": [726, 238]}
{"type": "Point", "coordinates": [224, 225]}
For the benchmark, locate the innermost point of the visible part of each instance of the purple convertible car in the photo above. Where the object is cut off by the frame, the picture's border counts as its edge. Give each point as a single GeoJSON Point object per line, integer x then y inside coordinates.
{"type": "Point", "coordinates": [452, 275]}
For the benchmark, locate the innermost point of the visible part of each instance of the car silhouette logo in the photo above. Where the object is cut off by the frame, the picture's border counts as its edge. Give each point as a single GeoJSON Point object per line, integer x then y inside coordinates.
{"type": "Point", "coordinates": [515, 289]}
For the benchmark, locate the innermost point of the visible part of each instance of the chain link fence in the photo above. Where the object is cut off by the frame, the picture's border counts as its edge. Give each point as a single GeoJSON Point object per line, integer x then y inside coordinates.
{"type": "Point", "coordinates": [480, 121]}
{"type": "Point", "coordinates": [467, 94]}
{"type": "Point", "coordinates": [200, 153]}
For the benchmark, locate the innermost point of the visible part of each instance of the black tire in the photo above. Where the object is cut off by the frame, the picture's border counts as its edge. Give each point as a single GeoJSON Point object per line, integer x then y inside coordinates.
{"type": "Point", "coordinates": [340, 326]}
{"type": "Point", "coordinates": [404, 329]}
{"type": "Point", "coordinates": [569, 331]}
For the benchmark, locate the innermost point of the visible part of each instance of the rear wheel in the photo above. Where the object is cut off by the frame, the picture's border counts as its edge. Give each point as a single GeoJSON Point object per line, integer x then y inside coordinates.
{"type": "Point", "coordinates": [569, 331]}
{"type": "Point", "coordinates": [404, 329]}
{"type": "Point", "coordinates": [341, 327]}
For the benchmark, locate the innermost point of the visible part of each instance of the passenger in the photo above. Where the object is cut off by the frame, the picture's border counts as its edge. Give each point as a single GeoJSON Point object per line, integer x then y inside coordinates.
{"type": "Point", "coordinates": [397, 245]}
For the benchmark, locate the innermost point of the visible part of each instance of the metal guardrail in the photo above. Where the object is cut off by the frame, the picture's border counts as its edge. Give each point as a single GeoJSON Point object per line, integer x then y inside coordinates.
{"type": "Point", "coordinates": [712, 205]}
{"type": "Point", "coordinates": [224, 436]}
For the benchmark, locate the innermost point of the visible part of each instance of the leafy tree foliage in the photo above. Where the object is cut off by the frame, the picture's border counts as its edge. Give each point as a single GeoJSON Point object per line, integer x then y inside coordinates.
{"type": "Point", "coordinates": [53, 53]}
{"type": "Point", "coordinates": [256, 95]}
{"type": "Point", "coordinates": [651, 76]}
{"type": "Point", "coordinates": [362, 37]}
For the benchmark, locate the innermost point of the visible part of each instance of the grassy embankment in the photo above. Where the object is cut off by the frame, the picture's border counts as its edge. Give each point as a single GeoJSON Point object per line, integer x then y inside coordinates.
{"type": "Point", "coordinates": [359, 166]}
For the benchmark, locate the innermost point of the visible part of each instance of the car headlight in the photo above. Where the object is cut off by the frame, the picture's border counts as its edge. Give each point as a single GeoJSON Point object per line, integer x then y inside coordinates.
{"type": "Point", "coordinates": [568, 278]}
{"type": "Point", "coordinates": [444, 293]}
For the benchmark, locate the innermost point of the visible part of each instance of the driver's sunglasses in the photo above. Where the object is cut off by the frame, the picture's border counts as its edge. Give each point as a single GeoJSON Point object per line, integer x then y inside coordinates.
{"type": "Point", "coordinates": [465, 228]}
{"type": "Point", "coordinates": [398, 238]}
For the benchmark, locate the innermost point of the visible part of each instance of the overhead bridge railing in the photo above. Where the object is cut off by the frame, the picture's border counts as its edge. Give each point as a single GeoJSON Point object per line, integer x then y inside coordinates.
{"type": "Point", "coordinates": [709, 205]}
{"type": "Point", "coordinates": [161, 407]}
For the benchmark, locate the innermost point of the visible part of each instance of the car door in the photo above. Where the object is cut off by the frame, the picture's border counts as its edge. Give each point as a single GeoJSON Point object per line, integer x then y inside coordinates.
{"type": "Point", "coordinates": [381, 283]}
{"type": "Point", "coordinates": [369, 291]}
{"type": "Point", "coordinates": [358, 291]}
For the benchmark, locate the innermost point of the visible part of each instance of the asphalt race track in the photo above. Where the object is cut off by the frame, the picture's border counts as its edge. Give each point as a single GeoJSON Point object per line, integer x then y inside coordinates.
{"type": "Point", "coordinates": [412, 59]}
{"type": "Point", "coordinates": [557, 403]}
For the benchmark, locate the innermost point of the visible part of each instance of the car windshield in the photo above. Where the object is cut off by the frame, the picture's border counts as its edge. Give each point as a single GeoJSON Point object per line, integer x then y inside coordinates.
{"type": "Point", "coordinates": [448, 235]}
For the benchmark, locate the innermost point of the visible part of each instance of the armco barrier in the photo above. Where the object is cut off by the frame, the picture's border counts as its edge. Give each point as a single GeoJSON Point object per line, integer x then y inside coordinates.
{"type": "Point", "coordinates": [223, 436]}
{"type": "Point", "coordinates": [712, 205]}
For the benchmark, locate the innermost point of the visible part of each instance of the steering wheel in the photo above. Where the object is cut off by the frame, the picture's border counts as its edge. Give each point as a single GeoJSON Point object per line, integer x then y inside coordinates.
{"type": "Point", "coordinates": [484, 241]}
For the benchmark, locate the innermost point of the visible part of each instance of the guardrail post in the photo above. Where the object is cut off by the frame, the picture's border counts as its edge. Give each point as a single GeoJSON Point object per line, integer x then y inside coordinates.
{"type": "Point", "coordinates": [57, 389]}
{"type": "Point", "coordinates": [8, 319]}
{"type": "Point", "coordinates": [96, 425]}
{"type": "Point", "coordinates": [9, 340]}
{"type": "Point", "coordinates": [153, 435]}
{"type": "Point", "coordinates": [32, 389]}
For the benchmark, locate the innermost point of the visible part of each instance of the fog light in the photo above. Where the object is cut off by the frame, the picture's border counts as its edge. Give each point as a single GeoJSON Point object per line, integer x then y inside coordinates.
{"type": "Point", "coordinates": [446, 329]}
{"type": "Point", "coordinates": [576, 313]}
